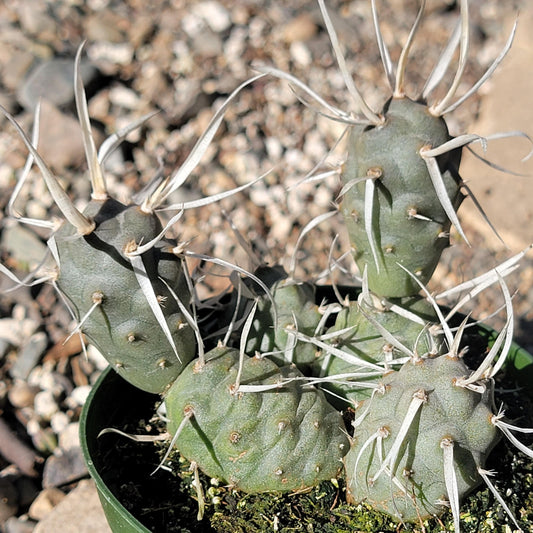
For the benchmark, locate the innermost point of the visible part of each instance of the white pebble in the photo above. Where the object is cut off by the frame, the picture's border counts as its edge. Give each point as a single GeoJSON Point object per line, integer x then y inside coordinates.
{"type": "Point", "coordinates": [235, 45]}
{"type": "Point", "coordinates": [192, 24]}
{"type": "Point", "coordinates": [42, 377]}
{"type": "Point", "coordinates": [216, 15]}
{"type": "Point", "coordinates": [33, 427]}
{"type": "Point", "coordinates": [300, 54]}
{"type": "Point", "coordinates": [314, 144]}
{"type": "Point", "coordinates": [45, 405]}
{"type": "Point", "coordinates": [6, 176]}
{"type": "Point", "coordinates": [79, 395]}
{"type": "Point", "coordinates": [13, 330]}
{"type": "Point", "coordinates": [96, 358]}
{"type": "Point", "coordinates": [21, 394]}
{"type": "Point", "coordinates": [59, 421]}
{"type": "Point", "coordinates": [123, 97]}
{"type": "Point", "coordinates": [114, 53]}
{"type": "Point", "coordinates": [70, 436]}
{"type": "Point", "coordinates": [274, 148]}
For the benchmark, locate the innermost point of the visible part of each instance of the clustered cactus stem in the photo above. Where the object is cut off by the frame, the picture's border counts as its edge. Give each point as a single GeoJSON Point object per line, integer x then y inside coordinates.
{"type": "Point", "coordinates": [256, 397]}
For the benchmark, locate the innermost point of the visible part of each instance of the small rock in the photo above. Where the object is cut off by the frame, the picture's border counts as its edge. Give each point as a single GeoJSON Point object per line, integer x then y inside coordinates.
{"type": "Point", "coordinates": [62, 384]}
{"type": "Point", "coordinates": [41, 377]}
{"type": "Point", "coordinates": [96, 358]}
{"type": "Point", "coordinates": [274, 148]}
{"type": "Point", "coordinates": [16, 69]}
{"type": "Point", "coordinates": [23, 246]}
{"type": "Point", "coordinates": [110, 56]}
{"type": "Point", "coordinates": [53, 80]}
{"type": "Point", "coordinates": [79, 512]}
{"type": "Point", "coordinates": [19, 525]}
{"type": "Point", "coordinates": [313, 143]}
{"type": "Point", "coordinates": [4, 348]}
{"type": "Point", "coordinates": [121, 96]}
{"type": "Point", "coordinates": [215, 15]}
{"type": "Point", "coordinates": [69, 438]}
{"type": "Point", "coordinates": [45, 404]}
{"type": "Point", "coordinates": [60, 143]}
{"type": "Point", "coordinates": [151, 82]}
{"type": "Point", "coordinates": [141, 28]}
{"type": "Point", "coordinates": [103, 26]}
{"type": "Point", "coordinates": [301, 54]}
{"type": "Point", "coordinates": [8, 102]}
{"type": "Point", "coordinates": [35, 20]}
{"type": "Point", "coordinates": [64, 467]}
{"type": "Point", "coordinates": [301, 28]}
{"type": "Point", "coordinates": [193, 24]}
{"type": "Point", "coordinates": [21, 394]}
{"type": "Point", "coordinates": [59, 422]}
{"type": "Point", "coordinates": [29, 355]}
{"type": "Point", "coordinates": [78, 396]}
{"type": "Point", "coordinates": [44, 377]}
{"type": "Point", "coordinates": [207, 44]}
{"type": "Point", "coordinates": [45, 502]}
{"type": "Point", "coordinates": [235, 45]}
{"type": "Point", "coordinates": [44, 439]}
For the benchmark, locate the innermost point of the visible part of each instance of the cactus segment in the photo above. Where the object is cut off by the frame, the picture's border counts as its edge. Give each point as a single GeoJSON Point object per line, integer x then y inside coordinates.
{"type": "Point", "coordinates": [95, 275]}
{"type": "Point", "coordinates": [296, 311]}
{"type": "Point", "coordinates": [285, 309]}
{"type": "Point", "coordinates": [421, 436]}
{"type": "Point", "coordinates": [402, 221]}
{"type": "Point", "coordinates": [377, 335]}
{"type": "Point", "coordinates": [284, 439]}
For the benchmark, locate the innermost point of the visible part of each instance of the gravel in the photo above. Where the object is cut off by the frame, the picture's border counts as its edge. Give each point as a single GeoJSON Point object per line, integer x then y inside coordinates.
{"type": "Point", "coordinates": [182, 59]}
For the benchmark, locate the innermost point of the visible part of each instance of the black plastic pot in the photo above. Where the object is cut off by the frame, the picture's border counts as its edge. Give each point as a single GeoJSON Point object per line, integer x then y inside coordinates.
{"type": "Point", "coordinates": [113, 401]}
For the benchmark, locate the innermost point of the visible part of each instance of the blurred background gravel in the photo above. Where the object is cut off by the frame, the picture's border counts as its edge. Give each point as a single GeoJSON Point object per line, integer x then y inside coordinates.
{"type": "Point", "coordinates": [182, 59]}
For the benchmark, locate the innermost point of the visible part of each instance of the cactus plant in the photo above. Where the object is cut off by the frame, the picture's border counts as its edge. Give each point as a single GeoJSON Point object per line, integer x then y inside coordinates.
{"type": "Point", "coordinates": [284, 439]}
{"type": "Point", "coordinates": [401, 191]}
{"type": "Point", "coordinates": [262, 410]}
{"type": "Point", "coordinates": [401, 187]}
{"type": "Point", "coordinates": [400, 195]}
{"type": "Point", "coordinates": [116, 316]}
{"type": "Point", "coordinates": [392, 212]}
{"type": "Point", "coordinates": [123, 282]}
{"type": "Point", "coordinates": [380, 336]}
{"type": "Point", "coordinates": [292, 306]}
{"type": "Point", "coordinates": [422, 436]}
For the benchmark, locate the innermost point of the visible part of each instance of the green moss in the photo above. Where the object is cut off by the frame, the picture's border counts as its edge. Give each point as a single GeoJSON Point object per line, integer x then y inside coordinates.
{"type": "Point", "coordinates": [323, 508]}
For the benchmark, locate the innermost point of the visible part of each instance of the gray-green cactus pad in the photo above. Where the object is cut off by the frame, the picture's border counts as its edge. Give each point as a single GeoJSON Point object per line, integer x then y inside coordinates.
{"type": "Point", "coordinates": [362, 338]}
{"type": "Point", "coordinates": [123, 326]}
{"type": "Point", "coordinates": [412, 486]}
{"type": "Point", "coordinates": [409, 224]}
{"type": "Point", "coordinates": [295, 310]}
{"type": "Point", "coordinates": [285, 439]}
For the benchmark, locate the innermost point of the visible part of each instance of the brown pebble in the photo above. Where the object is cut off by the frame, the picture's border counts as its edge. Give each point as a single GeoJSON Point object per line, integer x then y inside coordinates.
{"type": "Point", "coordinates": [63, 468]}
{"type": "Point", "coordinates": [45, 502]}
{"type": "Point", "coordinates": [64, 349]}
{"type": "Point", "coordinates": [21, 394]}
{"type": "Point", "coordinates": [302, 28]}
